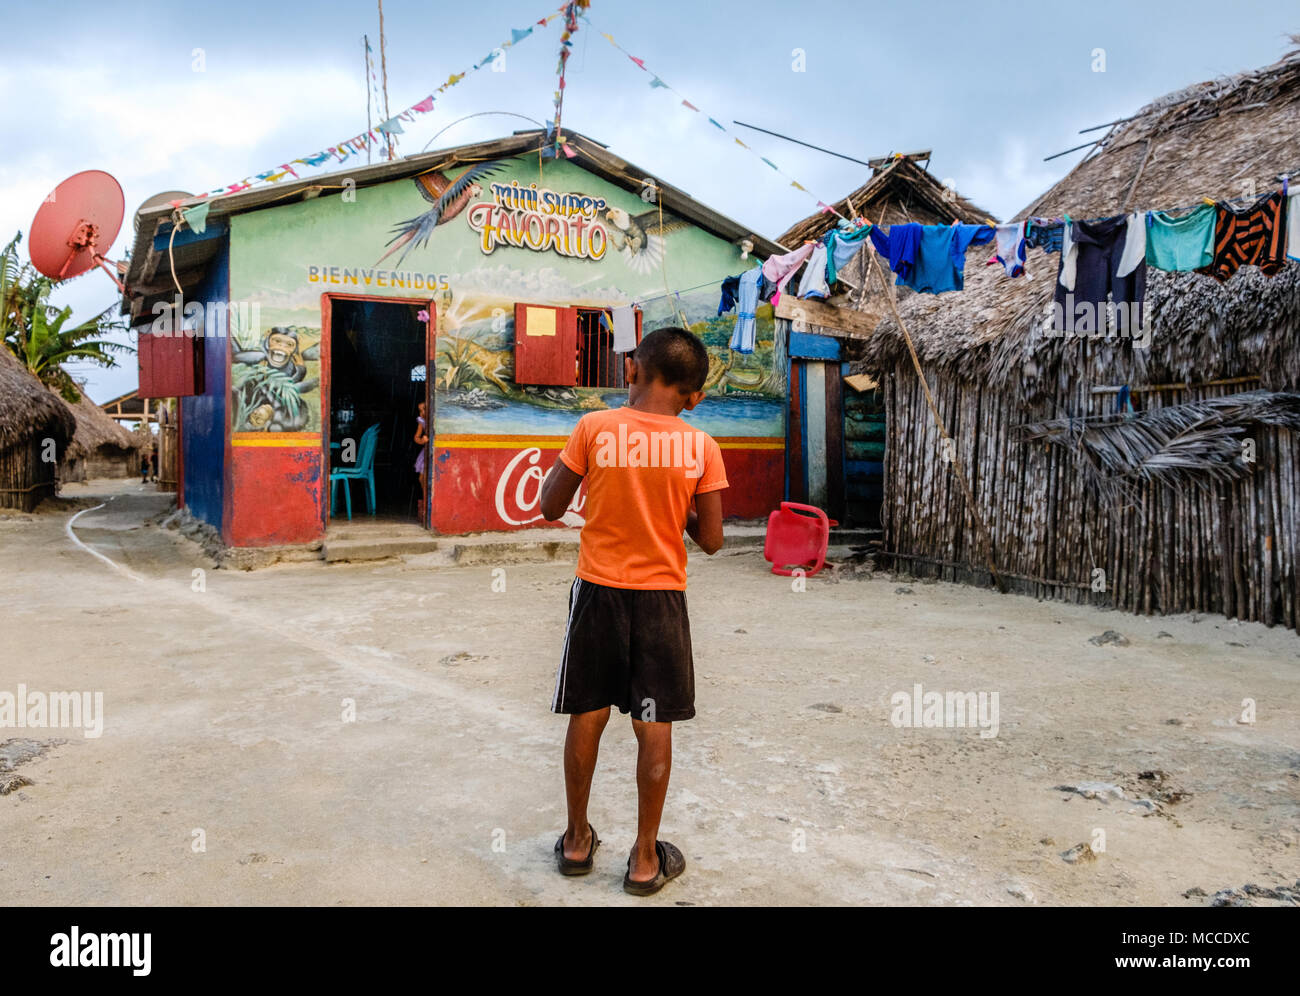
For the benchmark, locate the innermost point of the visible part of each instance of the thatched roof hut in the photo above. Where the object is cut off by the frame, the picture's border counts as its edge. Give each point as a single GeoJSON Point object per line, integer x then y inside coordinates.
{"type": "Point", "coordinates": [1156, 525]}
{"type": "Point", "coordinates": [900, 190]}
{"type": "Point", "coordinates": [100, 446]}
{"type": "Point", "coordinates": [29, 416]}
{"type": "Point", "coordinates": [1216, 139]}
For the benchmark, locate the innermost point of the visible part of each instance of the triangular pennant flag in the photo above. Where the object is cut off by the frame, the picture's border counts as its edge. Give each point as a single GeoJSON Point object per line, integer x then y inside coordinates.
{"type": "Point", "coordinates": [197, 218]}
{"type": "Point", "coordinates": [825, 207]}
{"type": "Point", "coordinates": [658, 82]}
{"type": "Point", "coordinates": [287, 168]}
{"type": "Point", "coordinates": [769, 162]}
{"type": "Point", "coordinates": [277, 177]}
{"type": "Point", "coordinates": [423, 106]}
{"type": "Point", "coordinates": [517, 36]}
{"type": "Point", "coordinates": [609, 38]}
{"type": "Point", "coordinates": [741, 144]}
{"type": "Point", "coordinates": [454, 78]}
{"type": "Point", "coordinates": [715, 124]}
{"type": "Point", "coordinates": [569, 150]}
{"type": "Point", "coordinates": [798, 185]}
{"type": "Point", "coordinates": [390, 127]}
{"type": "Point", "coordinates": [687, 103]}
{"type": "Point", "coordinates": [638, 62]}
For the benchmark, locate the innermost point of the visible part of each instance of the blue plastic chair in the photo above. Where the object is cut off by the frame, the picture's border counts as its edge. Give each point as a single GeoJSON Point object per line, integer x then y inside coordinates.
{"type": "Point", "coordinates": [362, 470]}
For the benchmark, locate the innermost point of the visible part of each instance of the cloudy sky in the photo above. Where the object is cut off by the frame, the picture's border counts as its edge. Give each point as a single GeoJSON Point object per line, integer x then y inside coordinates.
{"type": "Point", "coordinates": [170, 96]}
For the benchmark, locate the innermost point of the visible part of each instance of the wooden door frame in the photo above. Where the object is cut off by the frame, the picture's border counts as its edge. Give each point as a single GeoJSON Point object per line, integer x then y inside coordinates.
{"type": "Point", "coordinates": [327, 300]}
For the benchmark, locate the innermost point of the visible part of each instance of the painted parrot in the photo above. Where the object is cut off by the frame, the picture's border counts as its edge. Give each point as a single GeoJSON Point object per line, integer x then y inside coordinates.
{"type": "Point", "coordinates": [448, 197]}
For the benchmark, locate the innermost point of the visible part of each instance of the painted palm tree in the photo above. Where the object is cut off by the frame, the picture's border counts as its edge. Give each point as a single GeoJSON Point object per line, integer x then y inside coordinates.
{"type": "Point", "coordinates": [448, 197]}
{"type": "Point", "coordinates": [33, 329]}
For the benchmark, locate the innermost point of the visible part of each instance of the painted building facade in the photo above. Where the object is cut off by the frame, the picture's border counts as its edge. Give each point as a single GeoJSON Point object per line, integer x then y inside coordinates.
{"type": "Point", "coordinates": [511, 267]}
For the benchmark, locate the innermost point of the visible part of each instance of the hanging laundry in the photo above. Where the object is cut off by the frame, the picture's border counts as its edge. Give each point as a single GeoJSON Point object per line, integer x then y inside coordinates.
{"type": "Point", "coordinates": [1254, 236]}
{"type": "Point", "coordinates": [899, 245]}
{"type": "Point", "coordinates": [742, 339]}
{"type": "Point", "coordinates": [814, 282]}
{"type": "Point", "coordinates": [730, 288]}
{"type": "Point", "coordinates": [1181, 243]}
{"type": "Point", "coordinates": [841, 247]}
{"type": "Point", "coordinates": [1135, 244]}
{"type": "Point", "coordinates": [1045, 233]}
{"type": "Point", "coordinates": [1094, 264]}
{"type": "Point", "coordinates": [1010, 242]}
{"type": "Point", "coordinates": [930, 258]}
{"type": "Point", "coordinates": [624, 329]}
{"type": "Point", "coordinates": [779, 269]}
{"type": "Point", "coordinates": [1293, 227]}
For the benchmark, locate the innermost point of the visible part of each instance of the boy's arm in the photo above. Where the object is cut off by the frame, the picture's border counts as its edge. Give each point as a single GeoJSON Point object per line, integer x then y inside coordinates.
{"type": "Point", "coordinates": [558, 490]}
{"type": "Point", "coordinates": [704, 522]}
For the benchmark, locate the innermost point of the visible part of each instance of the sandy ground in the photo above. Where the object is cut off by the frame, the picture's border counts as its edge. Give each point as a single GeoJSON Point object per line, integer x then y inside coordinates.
{"type": "Point", "coordinates": [225, 724]}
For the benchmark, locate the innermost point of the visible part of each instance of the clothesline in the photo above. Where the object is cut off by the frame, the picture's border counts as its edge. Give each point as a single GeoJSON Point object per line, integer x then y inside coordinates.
{"type": "Point", "coordinates": [1101, 276]}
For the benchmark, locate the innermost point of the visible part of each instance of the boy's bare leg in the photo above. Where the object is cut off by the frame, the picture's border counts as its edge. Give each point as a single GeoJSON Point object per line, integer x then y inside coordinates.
{"type": "Point", "coordinates": [581, 745]}
{"type": "Point", "coordinates": [654, 762]}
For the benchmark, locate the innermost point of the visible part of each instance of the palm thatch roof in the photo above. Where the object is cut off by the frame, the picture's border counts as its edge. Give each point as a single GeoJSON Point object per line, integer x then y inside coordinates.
{"type": "Point", "coordinates": [898, 192]}
{"type": "Point", "coordinates": [95, 430]}
{"type": "Point", "coordinates": [1220, 139]}
{"type": "Point", "coordinates": [27, 409]}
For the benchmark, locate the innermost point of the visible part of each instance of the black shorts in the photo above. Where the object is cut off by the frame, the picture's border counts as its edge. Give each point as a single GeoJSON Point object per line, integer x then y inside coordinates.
{"type": "Point", "coordinates": [628, 648]}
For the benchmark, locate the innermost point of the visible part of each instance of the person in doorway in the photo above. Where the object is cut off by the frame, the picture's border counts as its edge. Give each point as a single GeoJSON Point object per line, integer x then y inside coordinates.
{"type": "Point", "coordinates": [650, 476]}
{"type": "Point", "coordinates": [422, 441]}
{"type": "Point", "coordinates": [145, 462]}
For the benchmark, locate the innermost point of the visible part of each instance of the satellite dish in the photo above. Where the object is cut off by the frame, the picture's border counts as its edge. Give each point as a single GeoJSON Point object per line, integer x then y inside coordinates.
{"type": "Point", "coordinates": [82, 213]}
{"type": "Point", "coordinates": [158, 200]}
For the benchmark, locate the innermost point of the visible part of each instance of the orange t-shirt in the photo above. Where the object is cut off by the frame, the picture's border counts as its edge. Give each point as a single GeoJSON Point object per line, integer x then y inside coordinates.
{"type": "Point", "coordinates": [642, 470]}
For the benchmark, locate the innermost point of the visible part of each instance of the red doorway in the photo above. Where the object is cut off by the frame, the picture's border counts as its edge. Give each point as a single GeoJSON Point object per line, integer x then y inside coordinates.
{"type": "Point", "coordinates": [377, 360]}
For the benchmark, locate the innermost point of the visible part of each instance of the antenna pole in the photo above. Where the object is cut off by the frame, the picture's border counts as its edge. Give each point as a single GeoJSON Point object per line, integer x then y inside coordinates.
{"type": "Point", "coordinates": [365, 70]}
{"type": "Point", "coordinates": [383, 63]}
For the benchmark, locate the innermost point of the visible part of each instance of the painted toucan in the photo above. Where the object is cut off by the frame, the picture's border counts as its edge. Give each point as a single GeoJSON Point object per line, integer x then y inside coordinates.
{"type": "Point", "coordinates": [448, 197]}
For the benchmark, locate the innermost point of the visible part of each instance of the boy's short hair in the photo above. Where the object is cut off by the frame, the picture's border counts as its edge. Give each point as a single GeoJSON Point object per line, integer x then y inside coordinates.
{"type": "Point", "coordinates": [674, 357]}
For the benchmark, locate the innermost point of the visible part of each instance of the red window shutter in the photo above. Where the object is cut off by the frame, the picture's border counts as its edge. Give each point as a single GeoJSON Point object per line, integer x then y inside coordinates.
{"type": "Point", "coordinates": [546, 345]}
{"type": "Point", "coordinates": [171, 366]}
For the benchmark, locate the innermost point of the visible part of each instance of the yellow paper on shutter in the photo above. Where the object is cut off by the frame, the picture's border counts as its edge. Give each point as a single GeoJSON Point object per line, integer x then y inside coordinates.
{"type": "Point", "coordinates": [539, 321]}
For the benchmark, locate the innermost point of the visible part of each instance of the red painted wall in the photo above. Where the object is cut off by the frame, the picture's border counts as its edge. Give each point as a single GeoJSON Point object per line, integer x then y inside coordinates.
{"type": "Point", "coordinates": [497, 486]}
{"type": "Point", "coordinates": [276, 492]}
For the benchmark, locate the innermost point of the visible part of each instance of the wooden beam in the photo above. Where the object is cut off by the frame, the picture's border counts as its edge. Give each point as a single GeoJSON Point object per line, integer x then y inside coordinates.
{"type": "Point", "coordinates": [845, 323]}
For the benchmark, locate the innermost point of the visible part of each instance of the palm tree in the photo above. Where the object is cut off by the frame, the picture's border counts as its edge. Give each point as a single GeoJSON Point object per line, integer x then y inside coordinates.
{"type": "Point", "coordinates": [33, 329]}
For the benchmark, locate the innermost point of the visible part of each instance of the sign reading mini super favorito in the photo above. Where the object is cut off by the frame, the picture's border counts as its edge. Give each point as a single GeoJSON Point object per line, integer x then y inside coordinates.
{"type": "Point", "coordinates": [536, 218]}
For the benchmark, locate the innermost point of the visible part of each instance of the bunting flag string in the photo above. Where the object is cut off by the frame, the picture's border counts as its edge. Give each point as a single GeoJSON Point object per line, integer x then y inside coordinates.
{"type": "Point", "coordinates": [572, 9]}
{"type": "Point", "coordinates": [356, 145]}
{"type": "Point", "coordinates": [657, 82]}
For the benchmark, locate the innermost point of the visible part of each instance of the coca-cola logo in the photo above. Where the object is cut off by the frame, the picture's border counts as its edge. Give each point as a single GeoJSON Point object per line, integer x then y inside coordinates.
{"type": "Point", "coordinates": [519, 492]}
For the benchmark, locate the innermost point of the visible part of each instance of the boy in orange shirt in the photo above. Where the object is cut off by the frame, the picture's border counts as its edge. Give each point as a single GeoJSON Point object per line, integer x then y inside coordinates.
{"type": "Point", "coordinates": [650, 476]}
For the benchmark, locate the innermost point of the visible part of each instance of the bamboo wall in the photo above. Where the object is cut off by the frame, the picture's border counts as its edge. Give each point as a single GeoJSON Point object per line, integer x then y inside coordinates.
{"type": "Point", "coordinates": [1228, 548]}
{"type": "Point", "coordinates": [25, 481]}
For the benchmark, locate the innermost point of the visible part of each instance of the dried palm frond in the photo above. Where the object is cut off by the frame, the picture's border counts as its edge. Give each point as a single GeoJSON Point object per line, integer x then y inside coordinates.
{"type": "Point", "coordinates": [1197, 443]}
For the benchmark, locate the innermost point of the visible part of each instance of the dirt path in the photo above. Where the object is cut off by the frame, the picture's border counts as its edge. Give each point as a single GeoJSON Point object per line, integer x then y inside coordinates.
{"type": "Point", "coordinates": [224, 714]}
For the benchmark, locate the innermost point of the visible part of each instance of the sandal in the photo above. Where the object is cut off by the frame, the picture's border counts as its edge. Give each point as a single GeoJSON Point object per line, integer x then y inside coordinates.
{"type": "Point", "coordinates": [671, 864]}
{"type": "Point", "coordinates": [567, 866]}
